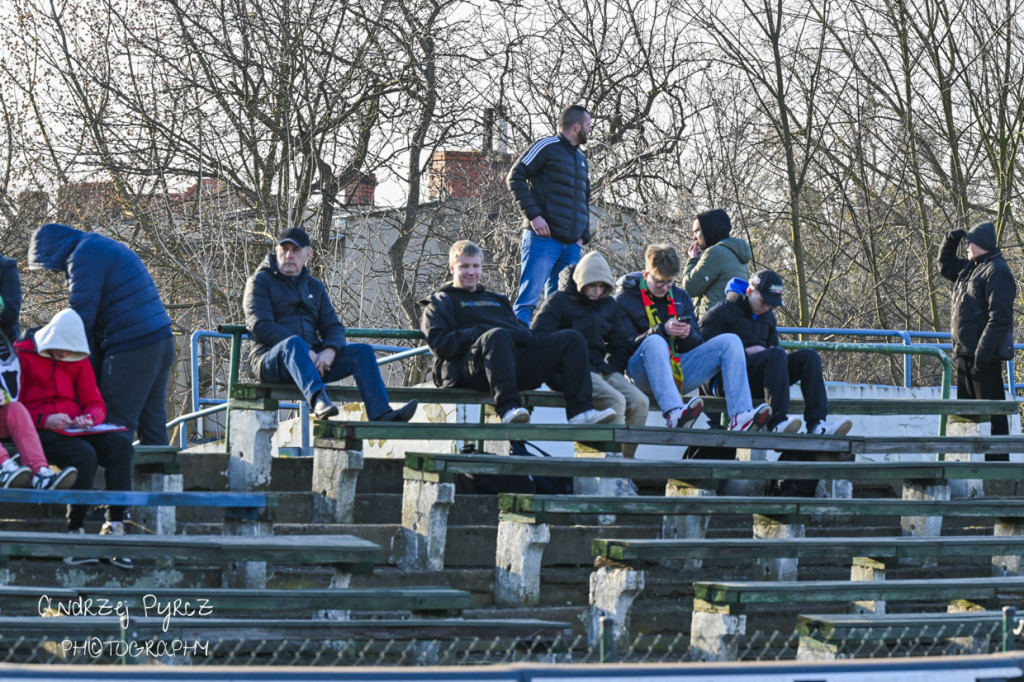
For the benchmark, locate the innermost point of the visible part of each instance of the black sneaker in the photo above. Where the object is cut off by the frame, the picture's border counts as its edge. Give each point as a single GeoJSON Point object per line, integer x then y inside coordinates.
{"type": "Point", "coordinates": [15, 476]}
{"type": "Point", "coordinates": [323, 408]}
{"type": "Point", "coordinates": [47, 480]}
{"type": "Point", "coordinates": [402, 414]}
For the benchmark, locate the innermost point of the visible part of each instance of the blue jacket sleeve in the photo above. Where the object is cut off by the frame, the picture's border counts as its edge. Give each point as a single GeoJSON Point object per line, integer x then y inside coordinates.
{"type": "Point", "coordinates": [86, 270]}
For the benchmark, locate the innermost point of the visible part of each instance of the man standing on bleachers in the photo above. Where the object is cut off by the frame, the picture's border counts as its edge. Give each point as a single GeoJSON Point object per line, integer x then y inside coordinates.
{"type": "Point", "coordinates": [982, 321]}
{"type": "Point", "coordinates": [297, 337]}
{"type": "Point", "coordinates": [478, 343]}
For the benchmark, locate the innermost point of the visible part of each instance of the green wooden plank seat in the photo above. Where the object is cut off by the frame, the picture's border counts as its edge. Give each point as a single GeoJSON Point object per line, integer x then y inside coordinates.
{"type": "Point", "coordinates": [239, 505]}
{"type": "Point", "coordinates": [345, 552]}
{"type": "Point", "coordinates": [831, 636]}
{"type": "Point", "coordinates": [737, 595]}
{"type": "Point", "coordinates": [540, 508]}
{"type": "Point", "coordinates": [156, 459]}
{"type": "Point", "coordinates": [444, 467]}
{"type": "Point", "coordinates": [883, 549]}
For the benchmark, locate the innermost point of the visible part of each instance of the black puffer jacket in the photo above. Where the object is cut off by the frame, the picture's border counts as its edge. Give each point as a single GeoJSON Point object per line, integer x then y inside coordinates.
{"type": "Point", "coordinates": [734, 316]}
{"type": "Point", "coordinates": [983, 293]}
{"type": "Point", "coordinates": [278, 306]}
{"type": "Point", "coordinates": [454, 318]}
{"type": "Point", "coordinates": [551, 180]}
{"type": "Point", "coordinates": [598, 321]}
{"type": "Point", "coordinates": [10, 290]}
{"type": "Point", "coordinates": [634, 316]}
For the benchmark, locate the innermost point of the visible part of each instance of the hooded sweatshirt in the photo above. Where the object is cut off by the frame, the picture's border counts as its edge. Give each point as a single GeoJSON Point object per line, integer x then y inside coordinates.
{"type": "Point", "coordinates": [598, 320]}
{"type": "Point", "coordinates": [108, 286]}
{"type": "Point", "coordinates": [52, 386]}
{"type": "Point", "coordinates": [705, 278]}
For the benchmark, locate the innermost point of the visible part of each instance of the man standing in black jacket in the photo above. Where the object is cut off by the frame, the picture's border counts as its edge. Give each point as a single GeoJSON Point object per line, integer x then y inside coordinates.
{"type": "Point", "coordinates": [478, 343]}
{"type": "Point", "coordinates": [297, 337]}
{"type": "Point", "coordinates": [982, 323]}
{"type": "Point", "coordinates": [551, 185]}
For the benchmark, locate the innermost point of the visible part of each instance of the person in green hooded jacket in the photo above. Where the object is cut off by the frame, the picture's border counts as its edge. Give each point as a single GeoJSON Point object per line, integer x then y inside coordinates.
{"type": "Point", "coordinates": [715, 258]}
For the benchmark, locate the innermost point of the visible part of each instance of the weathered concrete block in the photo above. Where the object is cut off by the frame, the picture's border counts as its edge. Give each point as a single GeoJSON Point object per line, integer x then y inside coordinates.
{"type": "Point", "coordinates": [335, 472]}
{"type": "Point", "coordinates": [811, 649]}
{"type": "Point", "coordinates": [425, 506]}
{"type": "Point", "coordinates": [251, 449]}
{"type": "Point", "coordinates": [1008, 564]}
{"type": "Point", "coordinates": [714, 634]}
{"type": "Point", "coordinates": [866, 569]}
{"type": "Point", "coordinates": [689, 526]}
{"type": "Point", "coordinates": [159, 520]}
{"type": "Point", "coordinates": [967, 488]}
{"type": "Point", "coordinates": [771, 528]}
{"type": "Point", "coordinates": [518, 561]}
{"type": "Point", "coordinates": [248, 574]}
{"type": "Point", "coordinates": [924, 525]}
{"type": "Point", "coordinates": [607, 487]}
{"type": "Point", "coordinates": [612, 591]}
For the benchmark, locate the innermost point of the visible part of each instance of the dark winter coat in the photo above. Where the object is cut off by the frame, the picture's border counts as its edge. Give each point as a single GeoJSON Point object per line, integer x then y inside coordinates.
{"type": "Point", "coordinates": [277, 307]}
{"type": "Point", "coordinates": [598, 321]}
{"type": "Point", "coordinates": [983, 293]}
{"type": "Point", "coordinates": [734, 316]}
{"type": "Point", "coordinates": [551, 180]}
{"type": "Point", "coordinates": [108, 286]}
{"type": "Point", "coordinates": [453, 318]}
{"type": "Point", "coordinates": [10, 291]}
{"type": "Point", "coordinates": [705, 278]}
{"type": "Point", "coordinates": [634, 316]}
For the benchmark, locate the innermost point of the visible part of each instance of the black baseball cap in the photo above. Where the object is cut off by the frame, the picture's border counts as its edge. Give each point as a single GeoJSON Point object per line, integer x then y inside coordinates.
{"type": "Point", "coordinates": [295, 235]}
{"type": "Point", "coordinates": [770, 287]}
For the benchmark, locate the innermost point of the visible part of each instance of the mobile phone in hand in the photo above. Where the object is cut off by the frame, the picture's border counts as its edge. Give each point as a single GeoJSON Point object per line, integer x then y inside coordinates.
{"type": "Point", "coordinates": [683, 318]}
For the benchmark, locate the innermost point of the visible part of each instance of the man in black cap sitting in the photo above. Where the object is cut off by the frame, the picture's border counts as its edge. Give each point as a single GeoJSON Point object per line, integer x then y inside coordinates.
{"type": "Point", "coordinates": [747, 313]}
{"type": "Point", "coordinates": [297, 337]}
{"type": "Point", "coordinates": [982, 321]}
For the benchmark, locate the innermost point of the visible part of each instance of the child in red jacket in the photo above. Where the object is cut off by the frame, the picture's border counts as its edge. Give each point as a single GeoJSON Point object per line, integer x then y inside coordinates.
{"type": "Point", "coordinates": [59, 390]}
{"type": "Point", "coordinates": [16, 424]}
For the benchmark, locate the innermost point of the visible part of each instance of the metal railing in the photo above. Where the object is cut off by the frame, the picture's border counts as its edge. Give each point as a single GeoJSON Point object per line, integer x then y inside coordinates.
{"type": "Point", "coordinates": [907, 348]}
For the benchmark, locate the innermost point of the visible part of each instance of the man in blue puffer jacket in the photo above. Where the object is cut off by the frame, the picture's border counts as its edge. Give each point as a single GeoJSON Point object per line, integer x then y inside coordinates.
{"type": "Point", "coordinates": [551, 184]}
{"type": "Point", "coordinates": [127, 325]}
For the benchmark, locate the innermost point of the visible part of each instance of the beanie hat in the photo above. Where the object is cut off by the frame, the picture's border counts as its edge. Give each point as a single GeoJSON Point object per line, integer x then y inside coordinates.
{"type": "Point", "coordinates": [983, 235]}
{"type": "Point", "coordinates": [714, 225]}
{"type": "Point", "coordinates": [593, 269]}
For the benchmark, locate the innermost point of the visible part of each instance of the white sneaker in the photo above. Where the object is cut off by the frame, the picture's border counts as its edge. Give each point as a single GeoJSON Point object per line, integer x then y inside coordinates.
{"type": "Point", "coordinates": [684, 417]}
{"type": "Point", "coordinates": [751, 420]}
{"type": "Point", "coordinates": [45, 479]}
{"type": "Point", "coordinates": [12, 475]}
{"type": "Point", "coordinates": [594, 417]}
{"type": "Point", "coordinates": [516, 415]}
{"type": "Point", "coordinates": [117, 528]}
{"type": "Point", "coordinates": [836, 428]}
{"type": "Point", "coordinates": [788, 425]}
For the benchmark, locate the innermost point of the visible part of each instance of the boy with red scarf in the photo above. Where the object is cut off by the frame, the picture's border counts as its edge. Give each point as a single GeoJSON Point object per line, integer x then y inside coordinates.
{"type": "Point", "coordinates": [668, 355]}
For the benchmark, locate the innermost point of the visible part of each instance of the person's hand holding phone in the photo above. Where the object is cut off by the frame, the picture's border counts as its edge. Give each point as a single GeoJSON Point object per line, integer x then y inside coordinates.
{"type": "Point", "coordinates": [678, 327]}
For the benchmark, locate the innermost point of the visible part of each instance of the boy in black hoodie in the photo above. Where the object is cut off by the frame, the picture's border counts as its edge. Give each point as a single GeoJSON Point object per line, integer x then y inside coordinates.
{"type": "Point", "coordinates": [584, 302]}
{"type": "Point", "coordinates": [478, 343]}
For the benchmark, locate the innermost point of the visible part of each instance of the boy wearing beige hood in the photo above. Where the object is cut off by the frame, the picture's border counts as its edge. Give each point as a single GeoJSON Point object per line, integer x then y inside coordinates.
{"type": "Point", "coordinates": [584, 302]}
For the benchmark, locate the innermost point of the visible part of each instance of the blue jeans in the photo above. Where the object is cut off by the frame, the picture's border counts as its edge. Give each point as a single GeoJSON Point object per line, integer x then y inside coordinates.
{"type": "Point", "coordinates": [651, 369]}
{"type": "Point", "coordinates": [289, 362]}
{"type": "Point", "coordinates": [541, 260]}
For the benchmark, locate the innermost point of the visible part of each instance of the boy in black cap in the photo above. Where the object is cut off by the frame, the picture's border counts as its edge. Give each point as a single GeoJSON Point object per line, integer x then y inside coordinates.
{"type": "Point", "coordinates": [747, 313]}
{"type": "Point", "coordinates": [297, 337]}
{"type": "Point", "coordinates": [982, 321]}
